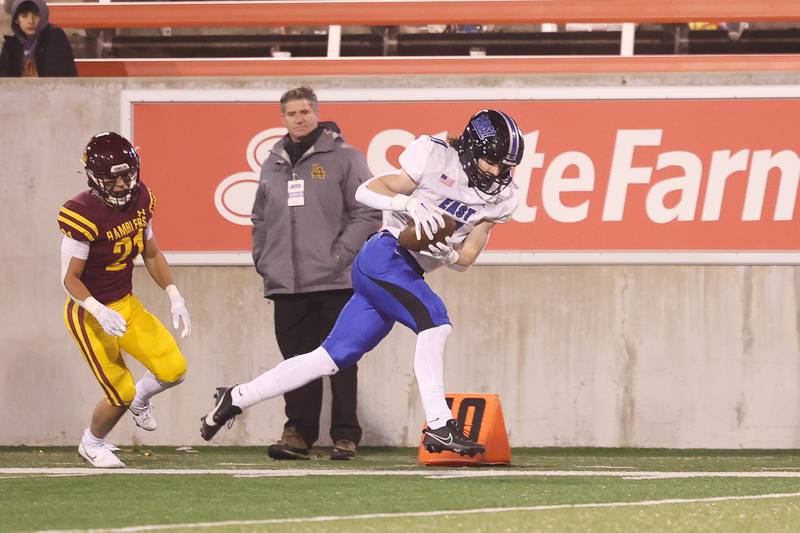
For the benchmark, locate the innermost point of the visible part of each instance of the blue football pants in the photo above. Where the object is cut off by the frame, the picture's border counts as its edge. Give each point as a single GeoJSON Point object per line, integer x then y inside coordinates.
{"type": "Point", "coordinates": [388, 287]}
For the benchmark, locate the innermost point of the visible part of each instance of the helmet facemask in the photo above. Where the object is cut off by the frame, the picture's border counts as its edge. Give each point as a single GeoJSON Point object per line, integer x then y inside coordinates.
{"type": "Point", "coordinates": [104, 185]}
{"type": "Point", "coordinates": [487, 182]}
{"type": "Point", "coordinates": [496, 138]}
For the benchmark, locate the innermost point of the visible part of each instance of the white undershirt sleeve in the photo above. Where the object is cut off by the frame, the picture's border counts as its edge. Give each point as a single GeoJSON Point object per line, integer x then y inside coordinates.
{"type": "Point", "coordinates": [71, 248]}
{"type": "Point", "coordinates": [74, 248]}
{"type": "Point", "coordinates": [148, 232]}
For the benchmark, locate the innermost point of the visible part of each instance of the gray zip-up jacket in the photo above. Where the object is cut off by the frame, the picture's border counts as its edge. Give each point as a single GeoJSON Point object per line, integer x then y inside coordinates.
{"type": "Point", "coordinates": [309, 248]}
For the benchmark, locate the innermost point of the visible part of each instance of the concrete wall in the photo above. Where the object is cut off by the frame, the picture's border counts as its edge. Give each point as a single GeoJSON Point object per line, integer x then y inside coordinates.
{"type": "Point", "coordinates": [677, 356]}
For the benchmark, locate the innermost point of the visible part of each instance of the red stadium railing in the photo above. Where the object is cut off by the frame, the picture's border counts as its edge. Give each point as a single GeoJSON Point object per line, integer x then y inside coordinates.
{"type": "Point", "coordinates": [400, 13]}
{"type": "Point", "coordinates": [403, 13]}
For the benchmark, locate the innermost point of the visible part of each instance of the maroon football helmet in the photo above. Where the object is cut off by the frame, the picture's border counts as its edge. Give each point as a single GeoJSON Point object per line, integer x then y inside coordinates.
{"type": "Point", "coordinates": [108, 158]}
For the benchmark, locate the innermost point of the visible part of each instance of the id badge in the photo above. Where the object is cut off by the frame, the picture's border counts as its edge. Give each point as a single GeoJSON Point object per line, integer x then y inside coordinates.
{"type": "Point", "coordinates": [295, 189]}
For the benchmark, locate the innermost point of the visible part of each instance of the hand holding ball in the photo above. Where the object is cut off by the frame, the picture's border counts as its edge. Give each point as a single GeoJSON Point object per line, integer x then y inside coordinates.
{"type": "Point", "coordinates": [408, 237]}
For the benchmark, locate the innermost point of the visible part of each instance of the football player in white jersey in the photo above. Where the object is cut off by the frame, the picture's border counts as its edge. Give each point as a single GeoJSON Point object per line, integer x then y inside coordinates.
{"type": "Point", "coordinates": [469, 180]}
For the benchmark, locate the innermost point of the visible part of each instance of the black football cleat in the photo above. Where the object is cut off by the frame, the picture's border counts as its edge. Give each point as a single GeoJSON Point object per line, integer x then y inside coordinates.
{"type": "Point", "coordinates": [223, 411]}
{"type": "Point", "coordinates": [450, 438]}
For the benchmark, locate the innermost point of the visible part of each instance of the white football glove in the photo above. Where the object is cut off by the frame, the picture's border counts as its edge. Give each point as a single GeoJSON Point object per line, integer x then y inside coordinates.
{"type": "Point", "coordinates": [442, 251]}
{"type": "Point", "coordinates": [111, 321]}
{"type": "Point", "coordinates": [179, 311]}
{"type": "Point", "coordinates": [426, 217]}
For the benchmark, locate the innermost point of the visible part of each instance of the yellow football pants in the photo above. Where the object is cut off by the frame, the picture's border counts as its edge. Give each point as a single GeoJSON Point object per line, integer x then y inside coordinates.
{"type": "Point", "coordinates": [146, 339]}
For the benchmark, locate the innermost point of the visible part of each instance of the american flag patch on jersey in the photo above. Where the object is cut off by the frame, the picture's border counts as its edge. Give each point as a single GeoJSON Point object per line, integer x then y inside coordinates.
{"type": "Point", "coordinates": [447, 180]}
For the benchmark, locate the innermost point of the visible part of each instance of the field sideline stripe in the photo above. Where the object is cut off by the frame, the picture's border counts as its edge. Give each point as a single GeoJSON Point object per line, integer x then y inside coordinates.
{"type": "Point", "coordinates": [312, 519]}
{"type": "Point", "coordinates": [437, 473]}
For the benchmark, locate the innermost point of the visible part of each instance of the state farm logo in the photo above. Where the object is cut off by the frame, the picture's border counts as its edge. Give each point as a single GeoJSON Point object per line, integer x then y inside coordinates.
{"type": "Point", "coordinates": [642, 179]}
{"type": "Point", "coordinates": [234, 195]}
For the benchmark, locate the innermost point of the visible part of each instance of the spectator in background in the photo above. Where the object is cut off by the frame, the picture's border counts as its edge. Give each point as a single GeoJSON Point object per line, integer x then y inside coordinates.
{"type": "Point", "coordinates": [37, 47]}
{"type": "Point", "coordinates": [307, 228]}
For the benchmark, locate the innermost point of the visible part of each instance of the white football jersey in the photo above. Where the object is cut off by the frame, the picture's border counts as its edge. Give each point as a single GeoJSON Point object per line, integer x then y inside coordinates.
{"type": "Point", "coordinates": [441, 182]}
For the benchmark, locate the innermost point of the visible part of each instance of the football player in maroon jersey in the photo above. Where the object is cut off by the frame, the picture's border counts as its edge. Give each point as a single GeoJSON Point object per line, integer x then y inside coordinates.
{"type": "Point", "coordinates": [105, 228]}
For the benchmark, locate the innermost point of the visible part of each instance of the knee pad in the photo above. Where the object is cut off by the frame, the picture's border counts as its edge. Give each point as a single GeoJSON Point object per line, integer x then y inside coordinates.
{"type": "Point", "coordinates": [126, 391]}
{"type": "Point", "coordinates": [173, 372]}
{"type": "Point", "coordinates": [172, 383]}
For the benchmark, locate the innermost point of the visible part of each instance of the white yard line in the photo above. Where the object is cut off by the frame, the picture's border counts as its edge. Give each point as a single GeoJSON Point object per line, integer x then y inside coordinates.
{"type": "Point", "coordinates": [465, 472]}
{"type": "Point", "coordinates": [373, 516]}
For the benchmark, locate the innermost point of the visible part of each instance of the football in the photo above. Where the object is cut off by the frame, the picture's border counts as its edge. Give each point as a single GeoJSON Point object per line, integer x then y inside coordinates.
{"type": "Point", "coordinates": [408, 237]}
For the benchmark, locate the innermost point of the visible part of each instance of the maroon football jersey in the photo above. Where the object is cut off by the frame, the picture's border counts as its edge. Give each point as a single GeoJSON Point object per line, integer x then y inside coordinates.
{"type": "Point", "coordinates": [115, 238]}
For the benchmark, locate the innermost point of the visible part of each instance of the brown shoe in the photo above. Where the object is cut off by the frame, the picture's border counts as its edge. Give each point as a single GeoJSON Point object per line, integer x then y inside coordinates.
{"type": "Point", "coordinates": [343, 450]}
{"type": "Point", "coordinates": [291, 446]}
{"type": "Point", "coordinates": [281, 450]}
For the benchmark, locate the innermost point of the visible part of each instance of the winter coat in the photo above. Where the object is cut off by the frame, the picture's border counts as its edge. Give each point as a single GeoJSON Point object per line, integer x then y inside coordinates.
{"type": "Point", "coordinates": [309, 248]}
{"type": "Point", "coordinates": [52, 50]}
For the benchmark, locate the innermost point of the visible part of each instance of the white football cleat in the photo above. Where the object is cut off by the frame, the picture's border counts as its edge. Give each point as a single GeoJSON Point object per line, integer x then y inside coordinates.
{"type": "Point", "coordinates": [99, 456]}
{"type": "Point", "coordinates": [146, 418]}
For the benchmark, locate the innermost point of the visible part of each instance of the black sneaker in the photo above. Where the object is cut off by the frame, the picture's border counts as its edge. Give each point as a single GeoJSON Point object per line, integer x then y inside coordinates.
{"type": "Point", "coordinates": [223, 411]}
{"type": "Point", "coordinates": [450, 438]}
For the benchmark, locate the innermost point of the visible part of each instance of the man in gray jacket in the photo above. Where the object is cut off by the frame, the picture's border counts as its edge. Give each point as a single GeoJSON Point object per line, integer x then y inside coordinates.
{"type": "Point", "coordinates": [307, 228]}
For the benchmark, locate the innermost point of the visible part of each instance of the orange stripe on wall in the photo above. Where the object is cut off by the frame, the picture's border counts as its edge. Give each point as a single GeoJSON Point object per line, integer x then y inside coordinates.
{"type": "Point", "coordinates": [436, 66]}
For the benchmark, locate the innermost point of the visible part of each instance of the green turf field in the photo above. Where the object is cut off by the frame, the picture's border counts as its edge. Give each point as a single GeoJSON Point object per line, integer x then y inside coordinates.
{"type": "Point", "coordinates": [384, 489]}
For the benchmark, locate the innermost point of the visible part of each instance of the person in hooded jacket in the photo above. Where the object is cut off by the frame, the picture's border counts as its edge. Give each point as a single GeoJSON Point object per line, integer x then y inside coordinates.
{"type": "Point", "coordinates": [37, 48]}
{"type": "Point", "coordinates": [307, 228]}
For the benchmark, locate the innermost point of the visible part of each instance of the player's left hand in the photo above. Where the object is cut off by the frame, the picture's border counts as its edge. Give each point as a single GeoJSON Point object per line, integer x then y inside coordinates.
{"type": "Point", "coordinates": [442, 251]}
{"type": "Point", "coordinates": [180, 313]}
{"type": "Point", "coordinates": [427, 218]}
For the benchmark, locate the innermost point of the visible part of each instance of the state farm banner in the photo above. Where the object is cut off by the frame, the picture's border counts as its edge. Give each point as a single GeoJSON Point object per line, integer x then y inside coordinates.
{"type": "Point", "coordinates": [609, 175]}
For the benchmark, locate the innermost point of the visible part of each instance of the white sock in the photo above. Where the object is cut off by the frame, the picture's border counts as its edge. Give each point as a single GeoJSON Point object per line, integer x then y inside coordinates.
{"type": "Point", "coordinates": [90, 440]}
{"type": "Point", "coordinates": [429, 369]}
{"type": "Point", "coordinates": [146, 388]}
{"type": "Point", "coordinates": [286, 376]}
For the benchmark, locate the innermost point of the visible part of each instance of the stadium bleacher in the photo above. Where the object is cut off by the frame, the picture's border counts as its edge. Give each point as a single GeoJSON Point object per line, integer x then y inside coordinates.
{"type": "Point", "coordinates": [666, 39]}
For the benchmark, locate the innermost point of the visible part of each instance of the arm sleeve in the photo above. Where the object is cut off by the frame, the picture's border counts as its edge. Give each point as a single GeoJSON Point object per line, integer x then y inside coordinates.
{"type": "Point", "coordinates": [74, 248]}
{"type": "Point", "coordinates": [71, 248]}
{"type": "Point", "coordinates": [373, 199]}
